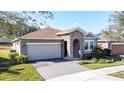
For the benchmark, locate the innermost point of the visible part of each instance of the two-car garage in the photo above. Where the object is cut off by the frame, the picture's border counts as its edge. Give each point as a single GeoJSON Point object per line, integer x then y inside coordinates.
{"type": "Point", "coordinates": [39, 51]}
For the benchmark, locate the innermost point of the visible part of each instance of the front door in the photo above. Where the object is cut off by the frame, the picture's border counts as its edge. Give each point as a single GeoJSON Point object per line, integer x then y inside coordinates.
{"type": "Point", "coordinates": [76, 48]}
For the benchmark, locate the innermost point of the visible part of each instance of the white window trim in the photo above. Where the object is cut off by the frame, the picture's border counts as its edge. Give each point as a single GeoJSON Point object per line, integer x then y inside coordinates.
{"type": "Point", "coordinates": [89, 44]}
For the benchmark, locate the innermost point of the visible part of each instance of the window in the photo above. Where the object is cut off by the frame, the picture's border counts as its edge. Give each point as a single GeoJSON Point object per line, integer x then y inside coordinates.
{"type": "Point", "coordinates": [91, 45]}
{"type": "Point", "coordinates": [86, 45]}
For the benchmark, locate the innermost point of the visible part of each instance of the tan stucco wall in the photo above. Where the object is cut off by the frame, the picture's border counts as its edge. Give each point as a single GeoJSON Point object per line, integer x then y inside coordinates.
{"type": "Point", "coordinates": [67, 38]}
{"type": "Point", "coordinates": [70, 38]}
{"type": "Point", "coordinates": [17, 46]}
{"type": "Point", "coordinates": [103, 45]}
{"type": "Point", "coordinates": [76, 35]}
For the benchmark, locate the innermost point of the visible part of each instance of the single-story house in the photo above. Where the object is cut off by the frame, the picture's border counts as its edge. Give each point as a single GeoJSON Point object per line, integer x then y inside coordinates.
{"type": "Point", "coordinates": [106, 43]}
{"type": "Point", "coordinates": [4, 41]}
{"type": "Point", "coordinates": [116, 47]}
{"type": "Point", "coordinates": [50, 43]}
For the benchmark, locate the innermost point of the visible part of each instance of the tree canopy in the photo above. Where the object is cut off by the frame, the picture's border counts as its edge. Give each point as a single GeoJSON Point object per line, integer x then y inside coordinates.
{"type": "Point", "coordinates": [16, 23]}
{"type": "Point", "coordinates": [115, 31]}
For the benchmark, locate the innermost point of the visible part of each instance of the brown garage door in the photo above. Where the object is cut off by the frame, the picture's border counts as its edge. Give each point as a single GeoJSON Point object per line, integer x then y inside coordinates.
{"type": "Point", "coordinates": [118, 49]}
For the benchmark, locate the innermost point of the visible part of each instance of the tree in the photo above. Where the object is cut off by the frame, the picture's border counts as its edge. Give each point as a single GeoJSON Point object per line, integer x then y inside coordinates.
{"type": "Point", "coordinates": [97, 53]}
{"type": "Point", "coordinates": [117, 19]}
{"type": "Point", "coordinates": [114, 33]}
{"type": "Point", "coordinates": [115, 30]}
{"type": "Point", "coordinates": [12, 23]}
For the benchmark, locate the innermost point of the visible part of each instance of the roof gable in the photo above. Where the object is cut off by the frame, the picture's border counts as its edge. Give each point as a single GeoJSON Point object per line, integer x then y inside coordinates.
{"type": "Point", "coordinates": [89, 34]}
{"type": "Point", "coordinates": [68, 31]}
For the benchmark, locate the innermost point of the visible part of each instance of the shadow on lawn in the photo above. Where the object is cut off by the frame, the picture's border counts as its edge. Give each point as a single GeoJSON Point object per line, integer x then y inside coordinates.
{"type": "Point", "coordinates": [2, 59]}
{"type": "Point", "coordinates": [7, 70]}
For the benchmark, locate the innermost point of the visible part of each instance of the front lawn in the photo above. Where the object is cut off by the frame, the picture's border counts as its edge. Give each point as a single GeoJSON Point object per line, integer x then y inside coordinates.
{"type": "Point", "coordinates": [24, 72]}
{"type": "Point", "coordinates": [5, 46]}
{"type": "Point", "coordinates": [18, 72]}
{"type": "Point", "coordinates": [4, 53]}
{"type": "Point", "coordinates": [118, 74]}
{"type": "Point", "coordinates": [4, 50]}
{"type": "Point", "coordinates": [102, 65]}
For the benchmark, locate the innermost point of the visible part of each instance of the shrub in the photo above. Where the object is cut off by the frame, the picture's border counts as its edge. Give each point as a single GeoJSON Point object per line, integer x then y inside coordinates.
{"type": "Point", "coordinates": [106, 52]}
{"type": "Point", "coordinates": [108, 57]}
{"type": "Point", "coordinates": [16, 58]}
{"type": "Point", "coordinates": [2, 59]}
{"type": "Point", "coordinates": [103, 60]}
{"type": "Point", "coordinates": [89, 56]}
{"type": "Point", "coordinates": [12, 50]}
{"type": "Point", "coordinates": [111, 59]}
{"type": "Point", "coordinates": [97, 53]}
{"type": "Point", "coordinates": [12, 56]}
{"type": "Point", "coordinates": [86, 62]}
{"type": "Point", "coordinates": [106, 60]}
{"type": "Point", "coordinates": [21, 58]}
{"type": "Point", "coordinates": [95, 60]}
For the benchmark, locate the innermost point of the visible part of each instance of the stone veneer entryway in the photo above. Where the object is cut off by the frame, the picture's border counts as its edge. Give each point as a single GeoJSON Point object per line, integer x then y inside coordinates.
{"type": "Point", "coordinates": [74, 44]}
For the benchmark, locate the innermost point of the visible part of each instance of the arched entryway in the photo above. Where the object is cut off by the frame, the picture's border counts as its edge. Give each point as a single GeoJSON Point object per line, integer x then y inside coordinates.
{"type": "Point", "coordinates": [76, 48]}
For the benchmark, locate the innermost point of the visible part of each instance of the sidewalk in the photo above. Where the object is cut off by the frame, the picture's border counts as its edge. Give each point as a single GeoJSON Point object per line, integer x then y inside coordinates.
{"type": "Point", "coordinates": [92, 75]}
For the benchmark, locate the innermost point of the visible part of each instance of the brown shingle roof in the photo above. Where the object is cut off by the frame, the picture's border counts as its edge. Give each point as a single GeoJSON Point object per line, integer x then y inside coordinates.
{"type": "Point", "coordinates": [46, 33]}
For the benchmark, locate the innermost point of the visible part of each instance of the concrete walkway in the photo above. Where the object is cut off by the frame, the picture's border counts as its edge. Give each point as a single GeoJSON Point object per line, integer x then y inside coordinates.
{"type": "Point", "coordinates": [55, 68]}
{"type": "Point", "coordinates": [93, 75]}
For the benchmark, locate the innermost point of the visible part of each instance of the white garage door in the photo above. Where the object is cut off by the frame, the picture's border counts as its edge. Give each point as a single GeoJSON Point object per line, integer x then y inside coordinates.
{"type": "Point", "coordinates": [37, 51]}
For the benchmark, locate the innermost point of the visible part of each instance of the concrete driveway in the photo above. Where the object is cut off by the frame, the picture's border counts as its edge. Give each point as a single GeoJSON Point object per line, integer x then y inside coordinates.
{"type": "Point", "coordinates": [53, 68]}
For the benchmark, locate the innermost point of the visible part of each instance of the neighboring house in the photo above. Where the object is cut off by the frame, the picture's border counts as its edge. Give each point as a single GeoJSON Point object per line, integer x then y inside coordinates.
{"type": "Point", "coordinates": [105, 43]}
{"type": "Point", "coordinates": [50, 43]}
{"type": "Point", "coordinates": [116, 47]}
{"type": "Point", "coordinates": [4, 41]}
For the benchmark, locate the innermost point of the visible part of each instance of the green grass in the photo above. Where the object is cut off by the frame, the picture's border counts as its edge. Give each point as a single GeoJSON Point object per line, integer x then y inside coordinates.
{"type": "Point", "coordinates": [5, 46]}
{"type": "Point", "coordinates": [118, 74]}
{"type": "Point", "coordinates": [4, 53]}
{"type": "Point", "coordinates": [102, 65]}
{"type": "Point", "coordinates": [21, 72]}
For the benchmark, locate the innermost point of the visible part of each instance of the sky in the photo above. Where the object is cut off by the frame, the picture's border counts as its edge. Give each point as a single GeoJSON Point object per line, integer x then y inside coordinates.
{"type": "Point", "coordinates": [90, 21]}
